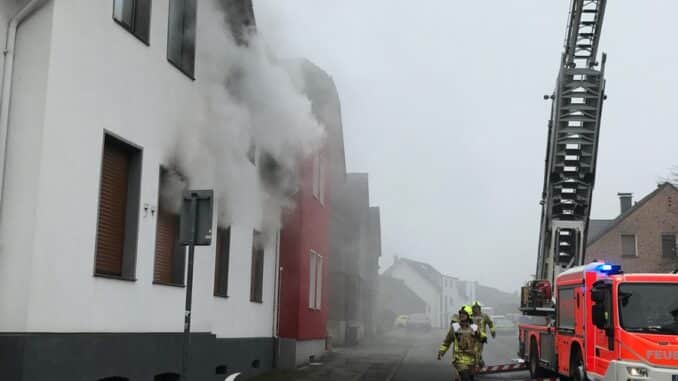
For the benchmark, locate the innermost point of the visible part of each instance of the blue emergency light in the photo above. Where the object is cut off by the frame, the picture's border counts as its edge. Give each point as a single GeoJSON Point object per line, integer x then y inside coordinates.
{"type": "Point", "coordinates": [608, 268]}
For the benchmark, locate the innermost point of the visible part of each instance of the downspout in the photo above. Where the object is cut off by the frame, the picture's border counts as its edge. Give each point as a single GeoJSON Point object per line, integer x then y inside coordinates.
{"type": "Point", "coordinates": [8, 69]}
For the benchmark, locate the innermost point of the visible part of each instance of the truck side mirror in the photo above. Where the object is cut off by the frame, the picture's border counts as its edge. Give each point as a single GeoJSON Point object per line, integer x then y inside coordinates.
{"type": "Point", "coordinates": [598, 315]}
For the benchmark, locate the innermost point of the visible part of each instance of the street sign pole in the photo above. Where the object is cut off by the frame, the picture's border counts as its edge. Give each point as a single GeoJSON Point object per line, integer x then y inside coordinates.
{"type": "Point", "coordinates": [189, 289]}
{"type": "Point", "coordinates": [195, 230]}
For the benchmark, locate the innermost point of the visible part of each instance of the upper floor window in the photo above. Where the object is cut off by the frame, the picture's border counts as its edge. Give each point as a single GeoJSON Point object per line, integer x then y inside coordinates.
{"type": "Point", "coordinates": [222, 261]}
{"type": "Point", "coordinates": [181, 35]}
{"type": "Point", "coordinates": [628, 243]}
{"type": "Point", "coordinates": [319, 178]}
{"type": "Point", "coordinates": [257, 269]}
{"type": "Point", "coordinates": [118, 221]}
{"type": "Point", "coordinates": [668, 245]}
{"type": "Point", "coordinates": [135, 16]}
{"type": "Point", "coordinates": [315, 281]}
{"type": "Point", "coordinates": [170, 255]}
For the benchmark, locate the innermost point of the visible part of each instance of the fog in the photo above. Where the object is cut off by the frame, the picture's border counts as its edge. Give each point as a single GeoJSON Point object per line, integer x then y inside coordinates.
{"type": "Point", "coordinates": [442, 105]}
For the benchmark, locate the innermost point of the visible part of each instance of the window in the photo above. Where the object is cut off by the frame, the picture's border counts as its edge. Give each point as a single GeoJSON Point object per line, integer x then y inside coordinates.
{"type": "Point", "coordinates": [257, 271]}
{"type": "Point", "coordinates": [319, 178]}
{"type": "Point", "coordinates": [135, 16]}
{"type": "Point", "coordinates": [222, 262]}
{"type": "Point", "coordinates": [628, 245]}
{"type": "Point", "coordinates": [668, 245]}
{"type": "Point", "coordinates": [169, 253]}
{"type": "Point", "coordinates": [566, 308]}
{"type": "Point", "coordinates": [315, 281]}
{"type": "Point", "coordinates": [118, 220]}
{"type": "Point", "coordinates": [181, 35]}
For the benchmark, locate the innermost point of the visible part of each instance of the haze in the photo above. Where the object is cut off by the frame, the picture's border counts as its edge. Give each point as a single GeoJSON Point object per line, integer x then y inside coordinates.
{"type": "Point", "coordinates": [442, 105]}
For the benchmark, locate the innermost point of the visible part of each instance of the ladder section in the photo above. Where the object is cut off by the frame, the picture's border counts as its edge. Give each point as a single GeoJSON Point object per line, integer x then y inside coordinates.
{"type": "Point", "coordinates": [583, 33]}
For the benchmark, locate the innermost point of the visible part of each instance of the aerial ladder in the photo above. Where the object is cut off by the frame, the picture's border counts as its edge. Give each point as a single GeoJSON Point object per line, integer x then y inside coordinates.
{"type": "Point", "coordinates": [571, 152]}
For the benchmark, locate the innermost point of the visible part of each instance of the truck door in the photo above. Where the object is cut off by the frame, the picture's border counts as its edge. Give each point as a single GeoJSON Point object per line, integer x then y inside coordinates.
{"type": "Point", "coordinates": [602, 315]}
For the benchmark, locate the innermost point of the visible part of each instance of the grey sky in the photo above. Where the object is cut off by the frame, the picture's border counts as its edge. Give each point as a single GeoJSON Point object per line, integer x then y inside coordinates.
{"type": "Point", "coordinates": [442, 105]}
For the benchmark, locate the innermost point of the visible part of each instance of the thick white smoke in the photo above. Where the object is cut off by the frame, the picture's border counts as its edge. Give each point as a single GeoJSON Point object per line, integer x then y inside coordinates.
{"type": "Point", "coordinates": [248, 97]}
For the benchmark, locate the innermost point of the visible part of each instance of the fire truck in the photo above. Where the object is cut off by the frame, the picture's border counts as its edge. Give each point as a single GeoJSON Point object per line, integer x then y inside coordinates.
{"type": "Point", "coordinates": [593, 321]}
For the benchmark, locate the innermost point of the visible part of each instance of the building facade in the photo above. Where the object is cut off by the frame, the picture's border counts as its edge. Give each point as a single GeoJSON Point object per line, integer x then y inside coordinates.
{"type": "Point", "coordinates": [643, 237]}
{"type": "Point", "coordinates": [356, 247]}
{"type": "Point", "coordinates": [91, 275]}
{"type": "Point", "coordinates": [304, 244]}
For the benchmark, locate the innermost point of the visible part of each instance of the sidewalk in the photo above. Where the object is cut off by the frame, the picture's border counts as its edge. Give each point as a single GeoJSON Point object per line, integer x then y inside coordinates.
{"type": "Point", "coordinates": [376, 360]}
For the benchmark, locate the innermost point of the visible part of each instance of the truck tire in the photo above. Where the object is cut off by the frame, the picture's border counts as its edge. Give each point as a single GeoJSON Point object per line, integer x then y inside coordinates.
{"type": "Point", "coordinates": [577, 369]}
{"type": "Point", "coordinates": [536, 371]}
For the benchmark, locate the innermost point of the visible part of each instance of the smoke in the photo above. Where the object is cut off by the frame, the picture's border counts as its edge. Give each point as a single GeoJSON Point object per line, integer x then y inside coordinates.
{"type": "Point", "coordinates": [248, 98]}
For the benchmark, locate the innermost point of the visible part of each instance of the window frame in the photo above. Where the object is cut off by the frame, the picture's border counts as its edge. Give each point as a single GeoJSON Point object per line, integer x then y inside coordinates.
{"type": "Point", "coordinates": [217, 261]}
{"type": "Point", "coordinates": [132, 205]}
{"type": "Point", "coordinates": [257, 274]}
{"type": "Point", "coordinates": [171, 283]}
{"type": "Point", "coordinates": [315, 281]}
{"type": "Point", "coordinates": [179, 66]}
{"type": "Point", "coordinates": [635, 245]}
{"type": "Point", "coordinates": [145, 37]}
{"type": "Point", "coordinates": [675, 242]}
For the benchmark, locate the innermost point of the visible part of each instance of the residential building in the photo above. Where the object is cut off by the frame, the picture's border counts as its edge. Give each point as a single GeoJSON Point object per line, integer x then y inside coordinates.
{"type": "Point", "coordinates": [395, 299]}
{"type": "Point", "coordinates": [642, 238]}
{"type": "Point", "coordinates": [355, 246]}
{"type": "Point", "coordinates": [305, 240]}
{"type": "Point", "coordinates": [91, 273]}
{"type": "Point", "coordinates": [442, 294]}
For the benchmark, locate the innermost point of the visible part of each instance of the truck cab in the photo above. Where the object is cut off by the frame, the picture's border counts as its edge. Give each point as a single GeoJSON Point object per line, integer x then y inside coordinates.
{"type": "Point", "coordinates": [607, 325]}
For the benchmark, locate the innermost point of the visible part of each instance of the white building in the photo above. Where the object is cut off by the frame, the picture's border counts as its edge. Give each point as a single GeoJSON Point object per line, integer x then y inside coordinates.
{"type": "Point", "coordinates": [443, 294]}
{"type": "Point", "coordinates": [88, 262]}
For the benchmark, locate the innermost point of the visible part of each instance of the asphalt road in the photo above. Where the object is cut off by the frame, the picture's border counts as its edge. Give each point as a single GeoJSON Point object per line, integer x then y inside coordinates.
{"type": "Point", "coordinates": [420, 364]}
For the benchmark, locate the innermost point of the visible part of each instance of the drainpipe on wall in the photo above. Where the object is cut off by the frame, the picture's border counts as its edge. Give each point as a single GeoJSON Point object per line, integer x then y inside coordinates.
{"type": "Point", "coordinates": [23, 13]}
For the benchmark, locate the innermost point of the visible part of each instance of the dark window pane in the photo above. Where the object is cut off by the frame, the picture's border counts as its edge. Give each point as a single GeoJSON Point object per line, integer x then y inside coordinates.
{"type": "Point", "coordinates": [257, 274]}
{"type": "Point", "coordinates": [669, 245]}
{"type": "Point", "coordinates": [181, 35]}
{"type": "Point", "coordinates": [628, 245]}
{"type": "Point", "coordinates": [123, 11]}
{"type": "Point", "coordinates": [222, 262]}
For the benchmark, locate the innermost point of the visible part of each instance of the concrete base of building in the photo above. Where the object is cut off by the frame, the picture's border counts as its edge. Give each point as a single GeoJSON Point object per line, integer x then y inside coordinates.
{"type": "Point", "coordinates": [293, 353]}
{"type": "Point", "coordinates": [337, 332]}
{"type": "Point", "coordinates": [343, 333]}
{"type": "Point", "coordinates": [129, 356]}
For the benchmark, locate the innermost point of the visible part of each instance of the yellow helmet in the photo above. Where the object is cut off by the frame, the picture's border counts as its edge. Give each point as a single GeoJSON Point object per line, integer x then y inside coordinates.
{"type": "Point", "coordinates": [466, 309]}
{"type": "Point", "coordinates": [477, 304]}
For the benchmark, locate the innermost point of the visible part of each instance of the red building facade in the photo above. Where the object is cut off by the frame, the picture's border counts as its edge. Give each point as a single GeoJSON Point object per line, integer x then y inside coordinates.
{"type": "Point", "coordinates": [304, 250]}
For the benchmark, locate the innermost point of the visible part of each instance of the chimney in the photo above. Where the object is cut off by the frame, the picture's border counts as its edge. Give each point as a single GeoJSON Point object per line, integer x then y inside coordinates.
{"type": "Point", "coordinates": [625, 201]}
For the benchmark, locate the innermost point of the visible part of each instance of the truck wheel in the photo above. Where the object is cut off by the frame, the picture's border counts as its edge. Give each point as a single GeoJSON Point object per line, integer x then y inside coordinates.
{"type": "Point", "coordinates": [577, 370]}
{"type": "Point", "coordinates": [535, 370]}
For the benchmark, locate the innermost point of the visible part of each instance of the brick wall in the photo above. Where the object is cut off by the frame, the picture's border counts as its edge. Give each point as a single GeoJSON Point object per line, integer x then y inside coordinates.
{"type": "Point", "coordinates": [657, 215]}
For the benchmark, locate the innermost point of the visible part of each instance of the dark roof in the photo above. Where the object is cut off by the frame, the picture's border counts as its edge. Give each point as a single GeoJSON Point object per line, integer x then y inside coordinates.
{"type": "Point", "coordinates": [394, 295]}
{"type": "Point", "coordinates": [612, 224]}
{"type": "Point", "coordinates": [596, 227]}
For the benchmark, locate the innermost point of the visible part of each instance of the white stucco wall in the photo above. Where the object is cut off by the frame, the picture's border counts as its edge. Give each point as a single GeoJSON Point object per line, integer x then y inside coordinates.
{"type": "Point", "coordinates": [101, 78]}
{"type": "Point", "coordinates": [422, 288]}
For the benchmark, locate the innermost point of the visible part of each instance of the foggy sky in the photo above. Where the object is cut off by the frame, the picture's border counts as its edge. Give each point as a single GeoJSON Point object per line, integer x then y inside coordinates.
{"type": "Point", "coordinates": [442, 105]}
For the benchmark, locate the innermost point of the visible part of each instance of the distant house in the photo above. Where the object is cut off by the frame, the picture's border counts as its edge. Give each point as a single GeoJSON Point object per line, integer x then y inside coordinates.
{"type": "Point", "coordinates": [394, 299]}
{"type": "Point", "coordinates": [443, 294]}
{"type": "Point", "coordinates": [643, 237]}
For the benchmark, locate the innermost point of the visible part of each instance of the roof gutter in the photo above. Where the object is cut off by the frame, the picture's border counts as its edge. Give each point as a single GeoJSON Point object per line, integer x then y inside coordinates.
{"type": "Point", "coordinates": [7, 75]}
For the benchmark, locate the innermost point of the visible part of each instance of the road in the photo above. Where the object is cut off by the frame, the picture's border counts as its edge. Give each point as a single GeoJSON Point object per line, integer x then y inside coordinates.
{"type": "Point", "coordinates": [420, 364]}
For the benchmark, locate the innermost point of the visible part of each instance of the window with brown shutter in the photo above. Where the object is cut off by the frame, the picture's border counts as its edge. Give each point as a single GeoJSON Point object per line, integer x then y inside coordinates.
{"type": "Point", "coordinates": [118, 209]}
{"type": "Point", "coordinates": [668, 245]}
{"type": "Point", "coordinates": [222, 262]}
{"type": "Point", "coordinates": [257, 272]}
{"type": "Point", "coordinates": [169, 254]}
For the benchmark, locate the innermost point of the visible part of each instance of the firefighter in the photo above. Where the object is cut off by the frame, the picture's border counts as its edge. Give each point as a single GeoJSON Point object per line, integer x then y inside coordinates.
{"type": "Point", "coordinates": [483, 321]}
{"type": "Point", "coordinates": [464, 335]}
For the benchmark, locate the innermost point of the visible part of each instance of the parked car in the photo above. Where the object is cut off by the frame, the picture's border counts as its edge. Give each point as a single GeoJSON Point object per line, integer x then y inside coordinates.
{"type": "Point", "coordinates": [503, 325]}
{"type": "Point", "coordinates": [401, 321]}
{"type": "Point", "coordinates": [419, 322]}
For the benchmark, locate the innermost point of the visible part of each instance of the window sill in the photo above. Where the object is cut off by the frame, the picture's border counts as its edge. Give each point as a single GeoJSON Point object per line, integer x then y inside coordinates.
{"type": "Point", "coordinates": [257, 301]}
{"type": "Point", "coordinates": [630, 256]}
{"type": "Point", "coordinates": [115, 277]}
{"type": "Point", "coordinates": [223, 296]}
{"type": "Point", "coordinates": [184, 72]}
{"type": "Point", "coordinates": [177, 285]}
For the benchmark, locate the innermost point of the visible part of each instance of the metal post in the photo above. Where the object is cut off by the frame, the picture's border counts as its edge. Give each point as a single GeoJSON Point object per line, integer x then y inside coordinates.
{"type": "Point", "coordinates": [189, 289]}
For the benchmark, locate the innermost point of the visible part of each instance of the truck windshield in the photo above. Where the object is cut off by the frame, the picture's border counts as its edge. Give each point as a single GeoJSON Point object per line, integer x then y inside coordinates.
{"type": "Point", "coordinates": [649, 307]}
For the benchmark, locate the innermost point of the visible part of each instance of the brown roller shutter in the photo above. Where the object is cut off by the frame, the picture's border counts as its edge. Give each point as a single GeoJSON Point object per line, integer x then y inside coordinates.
{"type": "Point", "coordinates": [165, 245]}
{"type": "Point", "coordinates": [112, 207]}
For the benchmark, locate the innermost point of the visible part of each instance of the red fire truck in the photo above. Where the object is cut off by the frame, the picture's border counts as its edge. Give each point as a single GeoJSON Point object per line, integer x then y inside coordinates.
{"type": "Point", "coordinates": [607, 326]}
{"type": "Point", "coordinates": [596, 322]}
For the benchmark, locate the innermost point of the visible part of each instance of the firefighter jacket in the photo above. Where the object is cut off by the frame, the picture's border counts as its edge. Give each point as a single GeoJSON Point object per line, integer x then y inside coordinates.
{"type": "Point", "coordinates": [483, 321]}
{"type": "Point", "coordinates": [465, 345]}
